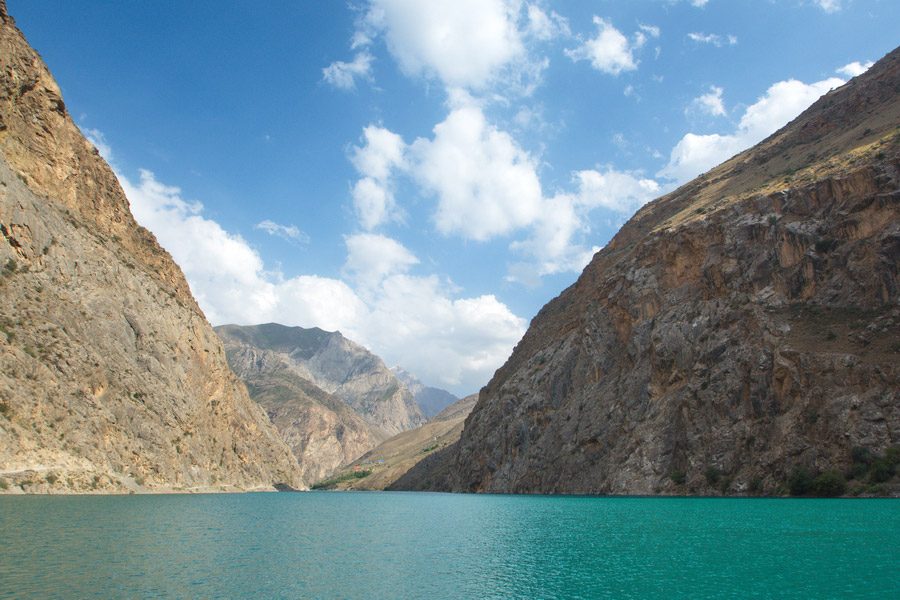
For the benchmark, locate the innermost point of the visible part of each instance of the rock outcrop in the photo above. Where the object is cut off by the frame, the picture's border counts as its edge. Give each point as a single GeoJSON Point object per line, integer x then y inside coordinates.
{"type": "Point", "coordinates": [111, 379]}
{"type": "Point", "coordinates": [338, 366]}
{"type": "Point", "coordinates": [737, 331]}
{"type": "Point", "coordinates": [321, 430]}
{"type": "Point", "coordinates": [431, 400]}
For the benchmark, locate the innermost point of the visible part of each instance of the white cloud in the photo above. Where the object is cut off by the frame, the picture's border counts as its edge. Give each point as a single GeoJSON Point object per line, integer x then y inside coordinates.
{"type": "Point", "coordinates": [614, 190]}
{"type": "Point", "coordinates": [465, 339]}
{"type": "Point", "coordinates": [371, 258]}
{"type": "Point", "coordinates": [380, 155]}
{"type": "Point", "coordinates": [694, 154]}
{"type": "Point", "coordinates": [286, 232]}
{"type": "Point", "coordinates": [829, 6]}
{"type": "Point", "coordinates": [557, 241]}
{"type": "Point", "coordinates": [709, 103]}
{"type": "Point", "coordinates": [463, 43]}
{"type": "Point", "coordinates": [713, 38]}
{"type": "Point", "coordinates": [651, 30]}
{"type": "Point", "coordinates": [610, 51]}
{"type": "Point", "coordinates": [485, 184]}
{"type": "Point", "coordinates": [544, 27]}
{"type": "Point", "coordinates": [854, 69]}
{"type": "Point", "coordinates": [376, 160]}
{"type": "Point", "coordinates": [343, 75]}
{"type": "Point", "coordinates": [783, 101]}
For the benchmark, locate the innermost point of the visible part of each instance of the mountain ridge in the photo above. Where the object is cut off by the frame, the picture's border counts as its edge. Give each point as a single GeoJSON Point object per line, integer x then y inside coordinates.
{"type": "Point", "coordinates": [734, 332]}
{"type": "Point", "coordinates": [338, 366]}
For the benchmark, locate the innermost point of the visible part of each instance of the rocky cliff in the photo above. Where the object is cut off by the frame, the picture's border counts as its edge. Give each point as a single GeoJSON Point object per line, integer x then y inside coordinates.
{"type": "Point", "coordinates": [110, 376]}
{"type": "Point", "coordinates": [395, 457]}
{"type": "Point", "coordinates": [336, 365]}
{"type": "Point", "coordinates": [736, 336]}
{"type": "Point", "coordinates": [321, 430]}
{"type": "Point", "coordinates": [431, 400]}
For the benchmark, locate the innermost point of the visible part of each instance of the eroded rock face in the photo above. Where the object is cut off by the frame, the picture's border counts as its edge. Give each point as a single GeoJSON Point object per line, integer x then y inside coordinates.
{"type": "Point", "coordinates": [338, 366]}
{"type": "Point", "coordinates": [321, 430]}
{"type": "Point", "coordinates": [111, 379]}
{"type": "Point", "coordinates": [741, 326]}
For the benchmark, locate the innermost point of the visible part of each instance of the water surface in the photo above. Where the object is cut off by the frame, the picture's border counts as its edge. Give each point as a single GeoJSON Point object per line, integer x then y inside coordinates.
{"type": "Point", "coordinates": [418, 545]}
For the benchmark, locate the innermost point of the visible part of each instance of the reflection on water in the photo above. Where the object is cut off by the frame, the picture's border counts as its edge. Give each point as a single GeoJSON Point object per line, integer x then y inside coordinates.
{"type": "Point", "coordinates": [399, 545]}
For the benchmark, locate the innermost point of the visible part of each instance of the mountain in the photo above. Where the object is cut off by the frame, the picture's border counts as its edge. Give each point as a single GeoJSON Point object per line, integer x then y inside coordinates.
{"type": "Point", "coordinates": [393, 458]}
{"type": "Point", "coordinates": [111, 379]}
{"type": "Point", "coordinates": [338, 366]}
{"type": "Point", "coordinates": [431, 400]}
{"type": "Point", "coordinates": [321, 430]}
{"type": "Point", "coordinates": [737, 336]}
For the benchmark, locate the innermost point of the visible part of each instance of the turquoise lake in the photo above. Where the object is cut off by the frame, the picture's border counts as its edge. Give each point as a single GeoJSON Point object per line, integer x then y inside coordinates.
{"type": "Point", "coordinates": [433, 546]}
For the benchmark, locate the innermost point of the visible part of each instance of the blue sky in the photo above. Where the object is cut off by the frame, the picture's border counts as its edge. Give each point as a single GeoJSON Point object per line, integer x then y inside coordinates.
{"type": "Point", "coordinates": [424, 175]}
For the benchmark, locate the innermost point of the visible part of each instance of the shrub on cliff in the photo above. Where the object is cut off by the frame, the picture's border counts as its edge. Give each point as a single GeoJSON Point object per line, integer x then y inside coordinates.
{"type": "Point", "coordinates": [881, 470]}
{"type": "Point", "coordinates": [799, 481]}
{"type": "Point", "coordinates": [829, 483]}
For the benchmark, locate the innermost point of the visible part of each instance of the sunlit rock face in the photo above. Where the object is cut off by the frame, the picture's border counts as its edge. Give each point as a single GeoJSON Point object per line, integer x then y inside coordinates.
{"type": "Point", "coordinates": [111, 379]}
{"type": "Point", "coordinates": [735, 330]}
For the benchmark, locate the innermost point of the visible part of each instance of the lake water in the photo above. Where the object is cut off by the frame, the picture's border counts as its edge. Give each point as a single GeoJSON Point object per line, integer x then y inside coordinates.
{"type": "Point", "coordinates": [407, 545]}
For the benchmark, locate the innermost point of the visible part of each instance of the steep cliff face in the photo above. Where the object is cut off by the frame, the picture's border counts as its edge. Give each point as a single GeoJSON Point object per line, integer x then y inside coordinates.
{"type": "Point", "coordinates": [338, 366]}
{"type": "Point", "coordinates": [739, 329]}
{"type": "Point", "coordinates": [321, 430]}
{"type": "Point", "coordinates": [110, 377]}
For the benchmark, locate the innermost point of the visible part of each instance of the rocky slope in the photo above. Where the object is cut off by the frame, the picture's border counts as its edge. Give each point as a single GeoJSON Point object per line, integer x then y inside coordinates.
{"type": "Point", "coordinates": [431, 400]}
{"type": "Point", "coordinates": [111, 379]}
{"type": "Point", "coordinates": [321, 430]}
{"type": "Point", "coordinates": [394, 457]}
{"type": "Point", "coordinates": [735, 333]}
{"type": "Point", "coordinates": [338, 366]}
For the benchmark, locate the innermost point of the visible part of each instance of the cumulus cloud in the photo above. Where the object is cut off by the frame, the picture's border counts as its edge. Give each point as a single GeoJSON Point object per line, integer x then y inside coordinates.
{"type": "Point", "coordinates": [618, 191]}
{"type": "Point", "coordinates": [713, 39]}
{"type": "Point", "coordinates": [557, 242]}
{"type": "Point", "coordinates": [854, 69]}
{"type": "Point", "coordinates": [610, 51]}
{"type": "Point", "coordinates": [783, 101]}
{"type": "Point", "coordinates": [464, 43]}
{"type": "Point", "coordinates": [485, 184]}
{"type": "Point", "coordinates": [343, 75]}
{"type": "Point", "coordinates": [371, 258]}
{"type": "Point", "coordinates": [466, 339]}
{"type": "Point", "coordinates": [376, 160]}
{"type": "Point", "coordinates": [285, 232]}
{"type": "Point", "coordinates": [709, 103]}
